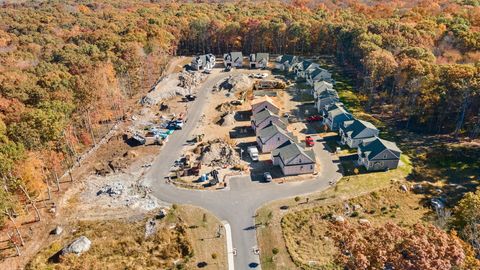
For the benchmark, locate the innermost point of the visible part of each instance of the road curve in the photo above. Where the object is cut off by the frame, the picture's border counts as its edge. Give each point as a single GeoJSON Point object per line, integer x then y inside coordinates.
{"type": "Point", "coordinates": [236, 205]}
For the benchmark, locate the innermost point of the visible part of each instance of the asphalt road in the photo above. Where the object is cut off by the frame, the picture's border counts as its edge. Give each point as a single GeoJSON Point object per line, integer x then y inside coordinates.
{"type": "Point", "coordinates": [238, 203]}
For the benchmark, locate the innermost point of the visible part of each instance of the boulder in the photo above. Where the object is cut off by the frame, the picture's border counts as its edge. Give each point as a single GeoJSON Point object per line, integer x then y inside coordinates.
{"type": "Point", "coordinates": [78, 246]}
{"type": "Point", "coordinates": [339, 219]}
{"type": "Point", "coordinates": [364, 221]}
{"type": "Point", "coordinates": [357, 207]}
{"type": "Point", "coordinates": [57, 231]}
{"type": "Point", "coordinates": [404, 188]}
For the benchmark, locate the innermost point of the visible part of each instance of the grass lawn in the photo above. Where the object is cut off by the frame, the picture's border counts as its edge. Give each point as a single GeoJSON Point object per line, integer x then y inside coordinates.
{"type": "Point", "coordinates": [121, 244]}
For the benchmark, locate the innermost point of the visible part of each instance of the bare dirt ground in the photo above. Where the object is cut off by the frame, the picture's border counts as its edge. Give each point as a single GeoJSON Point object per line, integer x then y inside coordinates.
{"type": "Point", "coordinates": [105, 182]}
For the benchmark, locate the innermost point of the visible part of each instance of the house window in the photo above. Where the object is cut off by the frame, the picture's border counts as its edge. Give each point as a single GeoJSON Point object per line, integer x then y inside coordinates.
{"type": "Point", "coordinates": [311, 167]}
{"type": "Point", "coordinates": [385, 156]}
{"type": "Point", "coordinates": [265, 106]}
{"type": "Point", "coordinates": [300, 161]}
{"type": "Point", "coordinates": [278, 138]}
{"type": "Point", "coordinates": [301, 167]}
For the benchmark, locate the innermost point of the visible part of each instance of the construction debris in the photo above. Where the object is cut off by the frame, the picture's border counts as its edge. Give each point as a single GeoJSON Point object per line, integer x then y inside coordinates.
{"type": "Point", "coordinates": [237, 83]}
{"type": "Point", "coordinates": [218, 153]}
{"type": "Point", "coordinates": [115, 189]}
{"type": "Point", "coordinates": [190, 79]}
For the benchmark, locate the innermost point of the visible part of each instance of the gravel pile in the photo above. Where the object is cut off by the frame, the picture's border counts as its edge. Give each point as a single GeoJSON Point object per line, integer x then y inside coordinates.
{"type": "Point", "coordinates": [115, 189]}
{"type": "Point", "coordinates": [219, 154]}
{"type": "Point", "coordinates": [237, 83]}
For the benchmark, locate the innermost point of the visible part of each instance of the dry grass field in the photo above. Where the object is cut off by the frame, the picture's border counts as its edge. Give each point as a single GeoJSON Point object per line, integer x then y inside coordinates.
{"type": "Point", "coordinates": [184, 238]}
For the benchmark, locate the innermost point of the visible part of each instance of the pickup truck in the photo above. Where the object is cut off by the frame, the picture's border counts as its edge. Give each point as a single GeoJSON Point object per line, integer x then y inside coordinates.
{"type": "Point", "coordinates": [253, 152]}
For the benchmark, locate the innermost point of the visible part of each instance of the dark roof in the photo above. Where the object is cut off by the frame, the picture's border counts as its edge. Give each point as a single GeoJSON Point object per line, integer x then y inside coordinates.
{"type": "Point", "coordinates": [374, 146]}
{"type": "Point", "coordinates": [354, 127]}
{"type": "Point", "coordinates": [268, 132]}
{"type": "Point", "coordinates": [287, 57]}
{"type": "Point", "coordinates": [263, 115]}
{"type": "Point", "coordinates": [340, 113]}
{"type": "Point", "coordinates": [317, 71]}
{"type": "Point", "coordinates": [290, 150]}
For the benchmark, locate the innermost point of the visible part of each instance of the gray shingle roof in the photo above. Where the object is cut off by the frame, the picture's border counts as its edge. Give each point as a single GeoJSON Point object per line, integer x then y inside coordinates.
{"type": "Point", "coordinates": [262, 116]}
{"type": "Point", "coordinates": [374, 146]}
{"type": "Point", "coordinates": [268, 132]}
{"type": "Point", "coordinates": [328, 93]}
{"type": "Point", "coordinates": [354, 127]}
{"type": "Point", "coordinates": [287, 57]}
{"type": "Point", "coordinates": [261, 56]}
{"type": "Point", "coordinates": [317, 71]}
{"type": "Point", "coordinates": [290, 150]}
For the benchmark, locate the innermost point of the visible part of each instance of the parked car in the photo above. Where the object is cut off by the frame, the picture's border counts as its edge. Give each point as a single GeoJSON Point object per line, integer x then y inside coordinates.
{"type": "Point", "coordinates": [309, 141]}
{"type": "Point", "coordinates": [175, 124]}
{"type": "Point", "coordinates": [236, 102]}
{"type": "Point", "coordinates": [189, 97]}
{"type": "Point", "coordinates": [314, 118]}
{"type": "Point", "coordinates": [267, 177]}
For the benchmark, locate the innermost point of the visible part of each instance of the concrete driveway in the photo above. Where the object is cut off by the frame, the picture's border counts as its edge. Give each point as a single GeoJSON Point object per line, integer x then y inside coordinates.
{"type": "Point", "coordinates": [238, 204]}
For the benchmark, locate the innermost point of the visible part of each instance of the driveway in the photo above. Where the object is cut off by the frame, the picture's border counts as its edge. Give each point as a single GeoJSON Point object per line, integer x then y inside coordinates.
{"type": "Point", "coordinates": [238, 204]}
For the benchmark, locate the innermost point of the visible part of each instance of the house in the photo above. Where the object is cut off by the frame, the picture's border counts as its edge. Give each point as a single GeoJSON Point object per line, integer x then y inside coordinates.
{"type": "Point", "coordinates": [325, 98]}
{"type": "Point", "coordinates": [301, 69]}
{"type": "Point", "coordinates": [321, 86]}
{"type": "Point", "coordinates": [353, 132]}
{"type": "Point", "coordinates": [376, 154]}
{"type": "Point", "coordinates": [264, 102]}
{"type": "Point", "coordinates": [259, 60]}
{"type": "Point", "coordinates": [233, 59]}
{"type": "Point", "coordinates": [203, 62]}
{"type": "Point", "coordinates": [317, 74]}
{"type": "Point", "coordinates": [285, 62]}
{"type": "Point", "coordinates": [263, 118]}
{"type": "Point", "coordinates": [293, 159]}
{"type": "Point", "coordinates": [335, 115]}
{"type": "Point", "coordinates": [271, 137]}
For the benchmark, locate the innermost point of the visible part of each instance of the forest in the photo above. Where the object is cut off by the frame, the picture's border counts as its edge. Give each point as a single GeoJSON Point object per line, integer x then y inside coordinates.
{"type": "Point", "coordinates": [69, 69]}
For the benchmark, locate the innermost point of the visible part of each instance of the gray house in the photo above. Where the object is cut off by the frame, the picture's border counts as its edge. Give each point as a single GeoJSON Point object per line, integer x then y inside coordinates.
{"type": "Point", "coordinates": [285, 62]}
{"type": "Point", "coordinates": [271, 137]}
{"type": "Point", "coordinates": [325, 98]}
{"type": "Point", "coordinates": [259, 60]}
{"type": "Point", "coordinates": [264, 118]}
{"type": "Point", "coordinates": [353, 132]}
{"type": "Point", "coordinates": [318, 74]}
{"type": "Point", "coordinates": [320, 86]}
{"type": "Point", "coordinates": [203, 62]}
{"type": "Point", "coordinates": [233, 59]}
{"type": "Point", "coordinates": [301, 69]}
{"type": "Point", "coordinates": [376, 154]}
{"type": "Point", "coordinates": [294, 159]}
{"type": "Point", "coordinates": [335, 115]}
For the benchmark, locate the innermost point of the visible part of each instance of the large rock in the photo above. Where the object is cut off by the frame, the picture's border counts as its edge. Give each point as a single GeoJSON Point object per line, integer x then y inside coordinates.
{"type": "Point", "coordinates": [57, 231]}
{"type": "Point", "coordinates": [114, 189]}
{"type": "Point", "coordinates": [78, 246]}
{"type": "Point", "coordinates": [339, 219]}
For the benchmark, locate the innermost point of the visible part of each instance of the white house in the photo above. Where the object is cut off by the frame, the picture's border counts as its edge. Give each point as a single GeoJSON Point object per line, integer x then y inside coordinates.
{"type": "Point", "coordinates": [301, 69]}
{"type": "Point", "coordinates": [264, 102]}
{"type": "Point", "coordinates": [285, 62]}
{"type": "Point", "coordinates": [325, 98]}
{"type": "Point", "coordinates": [264, 118]}
{"type": "Point", "coordinates": [335, 115]}
{"type": "Point", "coordinates": [353, 132]}
{"type": "Point", "coordinates": [318, 74]}
{"type": "Point", "coordinates": [203, 62]}
{"type": "Point", "coordinates": [293, 159]}
{"type": "Point", "coordinates": [271, 137]}
{"type": "Point", "coordinates": [233, 59]}
{"type": "Point", "coordinates": [376, 154]}
{"type": "Point", "coordinates": [259, 60]}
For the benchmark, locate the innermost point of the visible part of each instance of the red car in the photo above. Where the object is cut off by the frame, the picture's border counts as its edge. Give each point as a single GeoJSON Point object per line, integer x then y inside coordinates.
{"type": "Point", "coordinates": [314, 118]}
{"type": "Point", "coordinates": [309, 141]}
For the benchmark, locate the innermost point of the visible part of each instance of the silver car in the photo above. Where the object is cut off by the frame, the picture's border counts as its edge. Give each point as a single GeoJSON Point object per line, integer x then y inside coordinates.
{"type": "Point", "coordinates": [267, 177]}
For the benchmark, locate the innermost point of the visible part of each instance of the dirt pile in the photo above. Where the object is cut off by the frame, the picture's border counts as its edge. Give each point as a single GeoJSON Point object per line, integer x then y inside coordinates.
{"type": "Point", "coordinates": [116, 163]}
{"type": "Point", "coordinates": [237, 83]}
{"type": "Point", "coordinates": [218, 153]}
{"type": "Point", "coordinates": [228, 120]}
